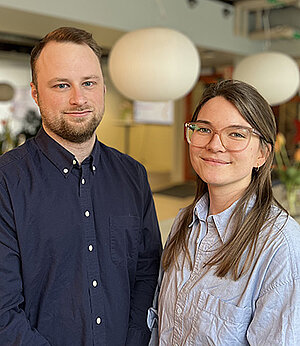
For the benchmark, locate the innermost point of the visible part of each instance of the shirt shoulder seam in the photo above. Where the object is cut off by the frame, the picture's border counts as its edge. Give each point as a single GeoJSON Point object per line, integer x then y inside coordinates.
{"type": "Point", "coordinates": [279, 284]}
{"type": "Point", "coordinates": [11, 159]}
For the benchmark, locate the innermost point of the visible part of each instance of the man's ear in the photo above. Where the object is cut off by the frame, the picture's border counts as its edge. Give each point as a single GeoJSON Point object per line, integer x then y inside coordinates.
{"type": "Point", "coordinates": [34, 92]}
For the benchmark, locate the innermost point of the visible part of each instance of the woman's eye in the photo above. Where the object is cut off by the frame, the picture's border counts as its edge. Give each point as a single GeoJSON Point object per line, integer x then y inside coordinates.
{"type": "Point", "coordinates": [237, 135]}
{"type": "Point", "coordinates": [204, 130]}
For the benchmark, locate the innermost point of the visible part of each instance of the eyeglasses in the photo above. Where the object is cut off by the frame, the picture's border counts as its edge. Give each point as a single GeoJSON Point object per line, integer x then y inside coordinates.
{"type": "Point", "coordinates": [233, 138]}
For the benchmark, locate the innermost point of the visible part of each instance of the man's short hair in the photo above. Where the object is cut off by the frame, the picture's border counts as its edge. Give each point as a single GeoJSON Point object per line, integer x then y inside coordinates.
{"type": "Point", "coordinates": [63, 34]}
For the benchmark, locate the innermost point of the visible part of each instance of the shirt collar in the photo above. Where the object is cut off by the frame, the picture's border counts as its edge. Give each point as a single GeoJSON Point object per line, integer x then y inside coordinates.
{"type": "Point", "coordinates": [61, 157]}
{"type": "Point", "coordinates": [201, 209]}
{"type": "Point", "coordinates": [220, 220]}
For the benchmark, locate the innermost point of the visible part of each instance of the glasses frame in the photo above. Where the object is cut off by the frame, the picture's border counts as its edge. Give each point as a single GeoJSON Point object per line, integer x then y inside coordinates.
{"type": "Point", "coordinates": [187, 125]}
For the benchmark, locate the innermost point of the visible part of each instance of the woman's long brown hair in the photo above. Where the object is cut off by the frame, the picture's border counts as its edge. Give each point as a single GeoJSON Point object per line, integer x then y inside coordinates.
{"type": "Point", "coordinates": [246, 227]}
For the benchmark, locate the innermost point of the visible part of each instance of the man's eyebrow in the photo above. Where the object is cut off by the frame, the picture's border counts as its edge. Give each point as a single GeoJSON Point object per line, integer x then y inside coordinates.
{"type": "Point", "coordinates": [58, 80]}
{"type": "Point", "coordinates": [91, 77]}
{"type": "Point", "coordinates": [66, 80]}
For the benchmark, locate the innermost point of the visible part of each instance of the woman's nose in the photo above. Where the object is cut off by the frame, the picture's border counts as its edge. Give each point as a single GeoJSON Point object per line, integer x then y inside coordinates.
{"type": "Point", "coordinates": [215, 144]}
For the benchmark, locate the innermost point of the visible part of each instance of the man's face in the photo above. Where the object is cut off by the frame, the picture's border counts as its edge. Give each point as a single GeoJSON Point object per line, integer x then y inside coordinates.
{"type": "Point", "coordinates": [69, 91]}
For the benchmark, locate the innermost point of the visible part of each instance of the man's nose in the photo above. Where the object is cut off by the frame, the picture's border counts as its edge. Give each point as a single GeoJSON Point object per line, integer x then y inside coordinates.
{"type": "Point", "coordinates": [77, 97]}
{"type": "Point", "coordinates": [215, 144]}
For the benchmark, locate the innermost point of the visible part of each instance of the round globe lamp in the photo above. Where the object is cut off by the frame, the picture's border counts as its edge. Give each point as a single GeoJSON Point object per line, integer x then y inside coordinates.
{"type": "Point", "coordinates": [275, 75]}
{"type": "Point", "coordinates": [154, 64]}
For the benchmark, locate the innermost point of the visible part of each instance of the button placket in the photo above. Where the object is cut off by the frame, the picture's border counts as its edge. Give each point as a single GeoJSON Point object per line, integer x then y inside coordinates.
{"type": "Point", "coordinates": [179, 308]}
{"type": "Point", "coordinates": [93, 270]}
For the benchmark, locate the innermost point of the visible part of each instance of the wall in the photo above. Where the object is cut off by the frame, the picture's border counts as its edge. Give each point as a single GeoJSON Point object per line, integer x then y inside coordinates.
{"type": "Point", "coordinates": [152, 145]}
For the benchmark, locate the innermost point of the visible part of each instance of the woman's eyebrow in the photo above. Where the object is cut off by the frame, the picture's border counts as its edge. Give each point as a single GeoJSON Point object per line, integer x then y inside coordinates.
{"type": "Point", "coordinates": [230, 125]}
{"type": "Point", "coordinates": [203, 121]}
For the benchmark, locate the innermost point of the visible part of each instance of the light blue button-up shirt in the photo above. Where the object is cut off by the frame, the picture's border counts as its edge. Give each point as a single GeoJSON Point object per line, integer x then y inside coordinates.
{"type": "Point", "coordinates": [261, 308]}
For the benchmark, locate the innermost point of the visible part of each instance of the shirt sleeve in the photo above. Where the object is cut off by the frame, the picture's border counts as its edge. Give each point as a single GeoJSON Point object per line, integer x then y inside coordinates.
{"type": "Point", "coordinates": [150, 249]}
{"type": "Point", "coordinates": [15, 328]}
{"type": "Point", "coordinates": [276, 319]}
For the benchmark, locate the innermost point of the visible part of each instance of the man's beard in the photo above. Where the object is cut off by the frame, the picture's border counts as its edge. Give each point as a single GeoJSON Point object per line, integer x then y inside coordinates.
{"type": "Point", "coordinates": [78, 131]}
{"type": "Point", "coordinates": [75, 130]}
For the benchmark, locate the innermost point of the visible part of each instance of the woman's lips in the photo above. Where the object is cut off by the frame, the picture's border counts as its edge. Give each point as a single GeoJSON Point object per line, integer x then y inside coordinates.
{"type": "Point", "coordinates": [215, 162]}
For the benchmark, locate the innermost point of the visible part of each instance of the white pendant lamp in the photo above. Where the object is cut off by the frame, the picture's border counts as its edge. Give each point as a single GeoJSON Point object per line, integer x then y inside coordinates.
{"type": "Point", "coordinates": [154, 64]}
{"type": "Point", "coordinates": [275, 75]}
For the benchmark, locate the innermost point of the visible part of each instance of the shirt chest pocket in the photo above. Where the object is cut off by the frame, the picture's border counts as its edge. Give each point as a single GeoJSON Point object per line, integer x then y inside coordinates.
{"type": "Point", "coordinates": [219, 321]}
{"type": "Point", "coordinates": [124, 238]}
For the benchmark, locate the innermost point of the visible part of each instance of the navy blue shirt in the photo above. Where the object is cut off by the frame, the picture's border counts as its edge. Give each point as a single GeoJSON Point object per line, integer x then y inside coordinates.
{"type": "Point", "coordinates": [79, 247]}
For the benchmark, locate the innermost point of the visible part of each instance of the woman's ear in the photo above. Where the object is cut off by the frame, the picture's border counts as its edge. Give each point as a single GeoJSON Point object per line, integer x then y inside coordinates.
{"type": "Point", "coordinates": [264, 153]}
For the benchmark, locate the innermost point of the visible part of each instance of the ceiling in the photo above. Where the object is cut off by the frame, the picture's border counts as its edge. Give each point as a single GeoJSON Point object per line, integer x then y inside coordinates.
{"type": "Point", "coordinates": [255, 19]}
{"type": "Point", "coordinates": [264, 20]}
{"type": "Point", "coordinates": [21, 44]}
{"type": "Point", "coordinates": [267, 19]}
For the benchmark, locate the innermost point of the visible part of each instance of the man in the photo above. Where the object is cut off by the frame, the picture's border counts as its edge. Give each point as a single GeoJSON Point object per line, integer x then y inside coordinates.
{"type": "Point", "coordinates": [79, 239]}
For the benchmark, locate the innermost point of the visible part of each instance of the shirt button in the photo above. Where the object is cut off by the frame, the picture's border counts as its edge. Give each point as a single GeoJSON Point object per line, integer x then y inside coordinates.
{"type": "Point", "coordinates": [82, 181]}
{"type": "Point", "coordinates": [179, 310]}
{"type": "Point", "coordinates": [94, 168]}
{"type": "Point", "coordinates": [98, 320]}
{"type": "Point", "coordinates": [87, 213]}
{"type": "Point", "coordinates": [74, 162]}
{"type": "Point", "coordinates": [65, 170]}
{"type": "Point", "coordinates": [95, 283]}
{"type": "Point", "coordinates": [91, 248]}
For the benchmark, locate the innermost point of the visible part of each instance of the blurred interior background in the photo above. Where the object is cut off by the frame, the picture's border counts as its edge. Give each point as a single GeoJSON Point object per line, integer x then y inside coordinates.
{"type": "Point", "coordinates": [224, 32]}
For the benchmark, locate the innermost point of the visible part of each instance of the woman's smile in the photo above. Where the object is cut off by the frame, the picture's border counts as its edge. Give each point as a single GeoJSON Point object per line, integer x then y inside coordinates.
{"type": "Point", "coordinates": [215, 161]}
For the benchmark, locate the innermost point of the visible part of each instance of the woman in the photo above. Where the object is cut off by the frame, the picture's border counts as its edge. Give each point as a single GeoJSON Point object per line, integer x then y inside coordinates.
{"type": "Point", "coordinates": [232, 260]}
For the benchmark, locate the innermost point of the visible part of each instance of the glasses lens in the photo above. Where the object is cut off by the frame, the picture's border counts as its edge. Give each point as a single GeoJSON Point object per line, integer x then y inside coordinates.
{"type": "Point", "coordinates": [235, 138]}
{"type": "Point", "coordinates": [198, 135]}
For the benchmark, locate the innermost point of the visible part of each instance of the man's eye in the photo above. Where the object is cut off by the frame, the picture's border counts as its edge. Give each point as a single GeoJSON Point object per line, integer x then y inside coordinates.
{"type": "Point", "coordinates": [88, 83]}
{"type": "Point", "coordinates": [61, 86]}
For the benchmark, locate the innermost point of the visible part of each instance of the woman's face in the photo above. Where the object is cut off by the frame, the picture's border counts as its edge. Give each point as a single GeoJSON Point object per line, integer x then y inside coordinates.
{"type": "Point", "coordinates": [217, 166]}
